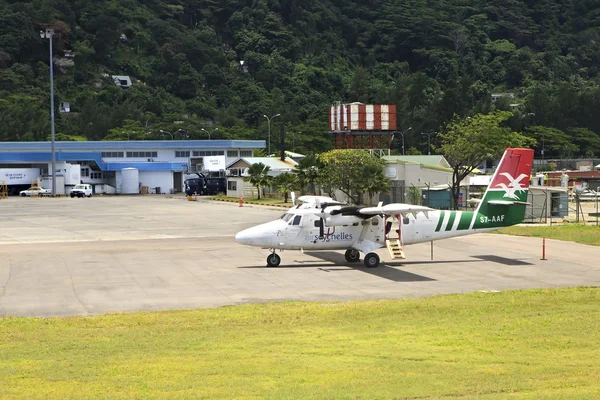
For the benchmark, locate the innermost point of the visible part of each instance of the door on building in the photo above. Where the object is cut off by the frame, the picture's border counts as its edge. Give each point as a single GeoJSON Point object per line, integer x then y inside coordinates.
{"type": "Point", "coordinates": [178, 182]}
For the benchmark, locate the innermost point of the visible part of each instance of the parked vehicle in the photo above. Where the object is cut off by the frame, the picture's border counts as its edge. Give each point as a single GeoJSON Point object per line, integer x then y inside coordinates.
{"type": "Point", "coordinates": [35, 191]}
{"type": "Point", "coordinates": [216, 185]}
{"type": "Point", "coordinates": [195, 186]}
{"type": "Point", "coordinates": [82, 190]}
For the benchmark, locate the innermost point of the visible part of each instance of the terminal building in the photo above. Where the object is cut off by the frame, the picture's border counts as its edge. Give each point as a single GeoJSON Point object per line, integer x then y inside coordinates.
{"type": "Point", "coordinates": [123, 167]}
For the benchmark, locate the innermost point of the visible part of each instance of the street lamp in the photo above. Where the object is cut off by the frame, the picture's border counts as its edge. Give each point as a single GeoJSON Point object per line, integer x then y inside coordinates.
{"type": "Point", "coordinates": [213, 131]}
{"type": "Point", "coordinates": [269, 141]}
{"type": "Point", "coordinates": [543, 147]}
{"type": "Point", "coordinates": [183, 133]}
{"type": "Point", "coordinates": [428, 140]}
{"type": "Point", "coordinates": [49, 34]}
{"type": "Point", "coordinates": [402, 133]}
{"type": "Point", "coordinates": [168, 133]}
{"type": "Point", "coordinates": [294, 141]}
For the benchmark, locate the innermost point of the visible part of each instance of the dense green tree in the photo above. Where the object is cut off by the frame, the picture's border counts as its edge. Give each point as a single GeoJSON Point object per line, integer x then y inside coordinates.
{"type": "Point", "coordinates": [468, 142]}
{"type": "Point", "coordinates": [345, 170]}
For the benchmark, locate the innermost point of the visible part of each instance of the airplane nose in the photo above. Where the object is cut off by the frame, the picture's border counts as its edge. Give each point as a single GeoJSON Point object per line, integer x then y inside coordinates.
{"type": "Point", "coordinates": [245, 237]}
{"type": "Point", "coordinates": [261, 235]}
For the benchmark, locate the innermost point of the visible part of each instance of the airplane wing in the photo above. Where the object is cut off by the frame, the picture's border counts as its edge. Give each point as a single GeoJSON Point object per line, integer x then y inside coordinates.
{"type": "Point", "coordinates": [317, 199]}
{"type": "Point", "coordinates": [396, 208]}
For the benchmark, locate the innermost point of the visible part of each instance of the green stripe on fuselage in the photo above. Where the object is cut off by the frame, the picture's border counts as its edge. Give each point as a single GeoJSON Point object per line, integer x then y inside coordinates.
{"type": "Point", "coordinates": [439, 225]}
{"type": "Point", "coordinates": [465, 220]}
{"type": "Point", "coordinates": [451, 220]}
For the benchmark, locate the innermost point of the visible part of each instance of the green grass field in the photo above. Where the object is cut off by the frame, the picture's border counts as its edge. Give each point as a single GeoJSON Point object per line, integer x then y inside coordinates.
{"type": "Point", "coordinates": [541, 344]}
{"type": "Point", "coordinates": [585, 234]}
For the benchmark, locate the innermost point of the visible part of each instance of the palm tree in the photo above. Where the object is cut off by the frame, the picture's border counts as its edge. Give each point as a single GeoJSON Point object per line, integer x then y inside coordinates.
{"type": "Point", "coordinates": [307, 171]}
{"type": "Point", "coordinates": [374, 181]}
{"type": "Point", "coordinates": [285, 184]}
{"type": "Point", "coordinates": [258, 176]}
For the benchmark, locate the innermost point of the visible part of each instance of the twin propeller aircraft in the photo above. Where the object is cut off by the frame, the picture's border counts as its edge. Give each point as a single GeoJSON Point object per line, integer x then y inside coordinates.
{"type": "Point", "coordinates": [321, 223]}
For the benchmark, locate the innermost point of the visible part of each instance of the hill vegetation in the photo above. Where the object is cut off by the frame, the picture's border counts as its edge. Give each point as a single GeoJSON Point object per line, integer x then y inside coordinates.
{"type": "Point", "coordinates": [433, 59]}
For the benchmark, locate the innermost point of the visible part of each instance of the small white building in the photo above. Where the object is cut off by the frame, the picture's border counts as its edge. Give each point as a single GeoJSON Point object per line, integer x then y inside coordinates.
{"type": "Point", "coordinates": [238, 169]}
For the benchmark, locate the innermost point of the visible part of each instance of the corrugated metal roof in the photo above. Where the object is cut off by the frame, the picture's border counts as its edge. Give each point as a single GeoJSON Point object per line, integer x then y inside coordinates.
{"type": "Point", "coordinates": [435, 160]}
{"type": "Point", "coordinates": [274, 163]}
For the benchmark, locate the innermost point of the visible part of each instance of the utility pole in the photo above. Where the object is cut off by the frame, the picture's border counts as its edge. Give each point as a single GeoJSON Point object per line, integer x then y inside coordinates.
{"type": "Point", "coordinates": [49, 34]}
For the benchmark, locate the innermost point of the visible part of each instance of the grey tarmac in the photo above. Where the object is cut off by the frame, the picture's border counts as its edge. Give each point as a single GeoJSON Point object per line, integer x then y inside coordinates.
{"type": "Point", "coordinates": [70, 257]}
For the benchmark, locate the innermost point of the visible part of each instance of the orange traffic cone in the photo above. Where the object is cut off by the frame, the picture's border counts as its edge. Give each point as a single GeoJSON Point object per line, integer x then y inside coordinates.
{"type": "Point", "coordinates": [241, 202]}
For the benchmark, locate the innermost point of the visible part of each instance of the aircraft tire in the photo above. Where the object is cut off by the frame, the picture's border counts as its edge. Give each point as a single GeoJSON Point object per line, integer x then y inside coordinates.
{"type": "Point", "coordinates": [273, 260]}
{"type": "Point", "coordinates": [371, 260]}
{"type": "Point", "coordinates": [352, 255]}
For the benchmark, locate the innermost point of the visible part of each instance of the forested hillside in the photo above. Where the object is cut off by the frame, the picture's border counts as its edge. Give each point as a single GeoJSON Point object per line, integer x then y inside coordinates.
{"type": "Point", "coordinates": [433, 58]}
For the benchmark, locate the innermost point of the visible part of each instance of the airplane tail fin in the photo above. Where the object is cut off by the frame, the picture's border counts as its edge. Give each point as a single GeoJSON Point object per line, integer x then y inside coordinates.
{"type": "Point", "coordinates": [504, 201]}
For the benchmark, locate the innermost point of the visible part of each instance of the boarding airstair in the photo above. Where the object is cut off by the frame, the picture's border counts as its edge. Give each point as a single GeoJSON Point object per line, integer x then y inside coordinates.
{"type": "Point", "coordinates": [395, 249]}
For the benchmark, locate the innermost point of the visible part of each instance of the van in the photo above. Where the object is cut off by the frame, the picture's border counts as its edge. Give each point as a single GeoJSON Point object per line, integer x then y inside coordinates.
{"type": "Point", "coordinates": [82, 190]}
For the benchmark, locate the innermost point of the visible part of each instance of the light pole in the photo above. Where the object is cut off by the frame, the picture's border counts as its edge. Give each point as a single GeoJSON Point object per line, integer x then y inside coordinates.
{"type": "Point", "coordinates": [543, 148]}
{"type": "Point", "coordinates": [294, 141]}
{"type": "Point", "coordinates": [269, 141]}
{"type": "Point", "coordinates": [402, 133]}
{"type": "Point", "coordinates": [213, 131]}
{"type": "Point", "coordinates": [168, 133]}
{"type": "Point", "coordinates": [183, 133]}
{"type": "Point", "coordinates": [428, 141]}
{"type": "Point", "coordinates": [49, 34]}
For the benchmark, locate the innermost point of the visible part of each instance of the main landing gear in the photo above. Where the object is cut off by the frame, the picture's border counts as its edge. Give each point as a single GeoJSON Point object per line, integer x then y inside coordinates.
{"type": "Point", "coordinates": [371, 259]}
{"type": "Point", "coordinates": [352, 255]}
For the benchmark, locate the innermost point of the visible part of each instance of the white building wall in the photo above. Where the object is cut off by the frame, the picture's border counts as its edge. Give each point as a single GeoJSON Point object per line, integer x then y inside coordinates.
{"type": "Point", "coordinates": [421, 177]}
{"type": "Point", "coordinates": [154, 179]}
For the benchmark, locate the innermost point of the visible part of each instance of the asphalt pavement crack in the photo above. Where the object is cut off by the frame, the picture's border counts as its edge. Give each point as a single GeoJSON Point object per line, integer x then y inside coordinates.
{"type": "Point", "coordinates": [73, 287]}
{"type": "Point", "coordinates": [7, 279]}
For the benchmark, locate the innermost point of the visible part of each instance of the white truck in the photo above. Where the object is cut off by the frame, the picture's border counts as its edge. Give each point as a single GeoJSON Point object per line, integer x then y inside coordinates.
{"type": "Point", "coordinates": [81, 190]}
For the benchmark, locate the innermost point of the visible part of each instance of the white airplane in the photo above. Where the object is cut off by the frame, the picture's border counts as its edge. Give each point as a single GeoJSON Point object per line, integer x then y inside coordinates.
{"type": "Point", "coordinates": [321, 223]}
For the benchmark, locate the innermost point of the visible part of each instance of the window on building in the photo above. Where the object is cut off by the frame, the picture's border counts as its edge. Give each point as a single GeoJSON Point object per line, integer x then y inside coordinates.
{"type": "Point", "coordinates": [85, 172]}
{"type": "Point", "coordinates": [112, 154]}
{"type": "Point", "coordinates": [245, 153]}
{"type": "Point", "coordinates": [182, 154]}
{"type": "Point", "coordinates": [232, 153]}
{"type": "Point", "coordinates": [141, 154]}
{"type": "Point", "coordinates": [231, 185]}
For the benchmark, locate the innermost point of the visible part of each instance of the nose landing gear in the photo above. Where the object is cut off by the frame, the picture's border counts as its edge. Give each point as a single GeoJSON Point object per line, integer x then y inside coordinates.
{"type": "Point", "coordinates": [273, 260]}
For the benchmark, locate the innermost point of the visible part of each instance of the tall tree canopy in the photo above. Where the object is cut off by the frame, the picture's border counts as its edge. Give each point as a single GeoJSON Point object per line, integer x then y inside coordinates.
{"type": "Point", "coordinates": [432, 59]}
{"type": "Point", "coordinates": [468, 142]}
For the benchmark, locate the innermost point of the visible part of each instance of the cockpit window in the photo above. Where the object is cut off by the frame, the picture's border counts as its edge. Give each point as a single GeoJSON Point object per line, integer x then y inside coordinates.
{"type": "Point", "coordinates": [296, 220]}
{"type": "Point", "coordinates": [286, 217]}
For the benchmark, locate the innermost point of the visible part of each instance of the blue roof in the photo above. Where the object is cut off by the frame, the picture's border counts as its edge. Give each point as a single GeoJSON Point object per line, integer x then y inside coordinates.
{"type": "Point", "coordinates": [134, 145]}
{"type": "Point", "coordinates": [78, 156]}
{"type": "Point", "coordinates": [41, 152]}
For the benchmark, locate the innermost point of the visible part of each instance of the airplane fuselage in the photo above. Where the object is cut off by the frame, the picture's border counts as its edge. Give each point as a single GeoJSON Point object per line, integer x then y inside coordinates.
{"type": "Point", "coordinates": [307, 235]}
